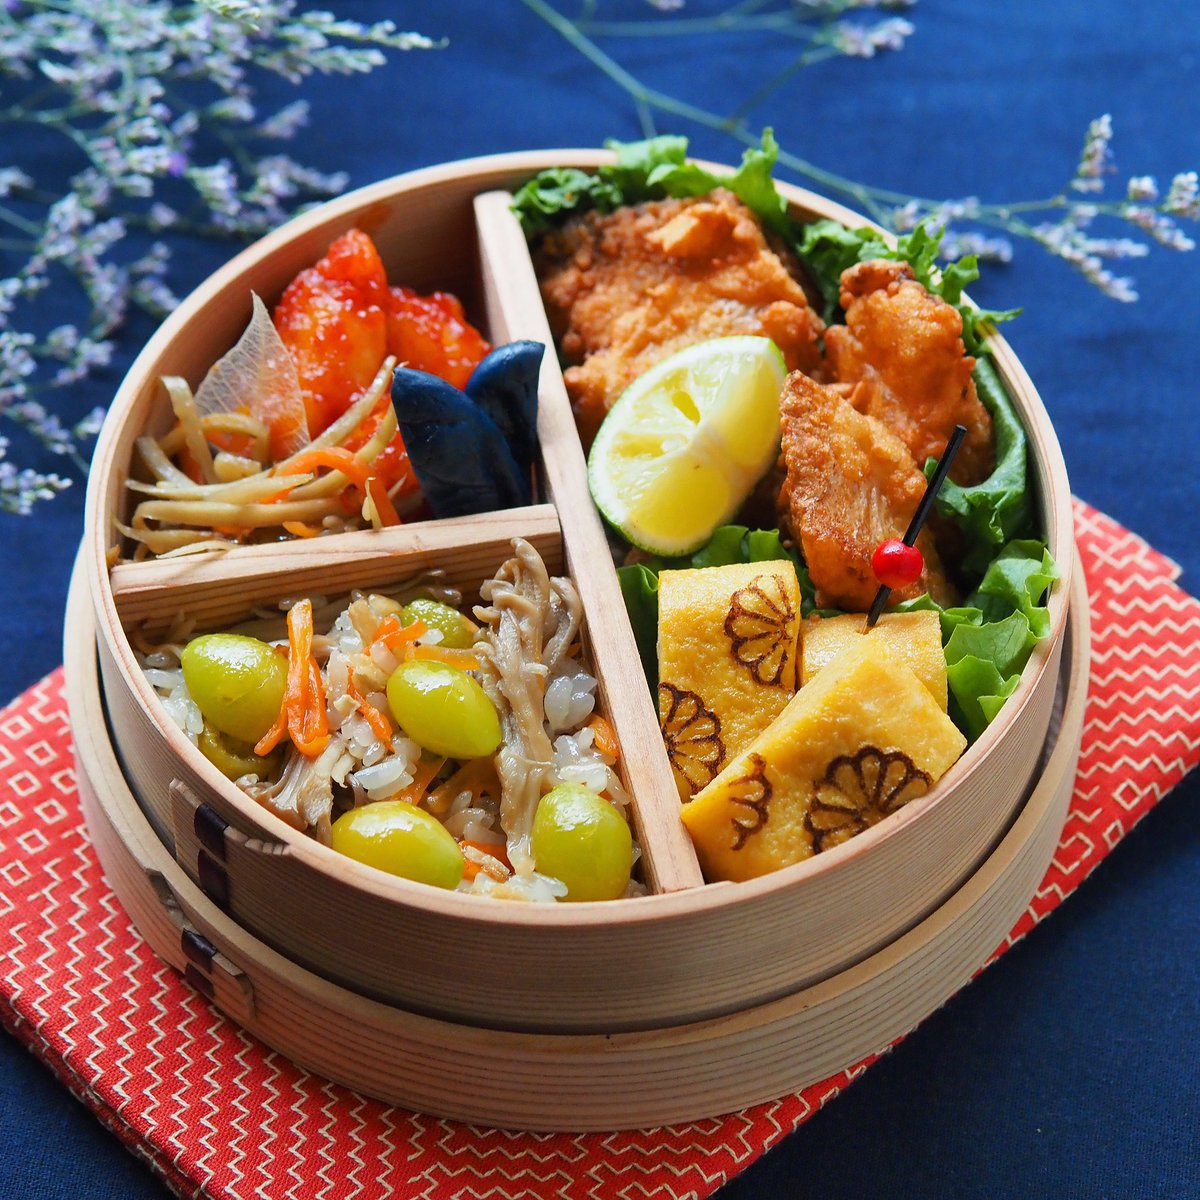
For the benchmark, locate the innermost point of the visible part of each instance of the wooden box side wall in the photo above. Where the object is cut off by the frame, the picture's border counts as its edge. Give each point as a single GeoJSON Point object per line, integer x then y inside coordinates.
{"type": "Point", "coordinates": [742, 942]}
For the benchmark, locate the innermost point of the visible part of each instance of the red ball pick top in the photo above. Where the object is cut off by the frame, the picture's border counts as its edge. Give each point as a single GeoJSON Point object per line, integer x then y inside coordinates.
{"type": "Point", "coordinates": [896, 565]}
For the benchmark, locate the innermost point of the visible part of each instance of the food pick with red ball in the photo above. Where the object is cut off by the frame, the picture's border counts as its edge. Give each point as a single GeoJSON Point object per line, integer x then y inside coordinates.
{"type": "Point", "coordinates": [897, 563]}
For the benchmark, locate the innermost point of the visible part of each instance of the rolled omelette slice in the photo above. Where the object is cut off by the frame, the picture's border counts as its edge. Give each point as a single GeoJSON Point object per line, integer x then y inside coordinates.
{"type": "Point", "coordinates": [915, 637]}
{"type": "Point", "coordinates": [727, 642]}
{"type": "Point", "coordinates": [860, 741]}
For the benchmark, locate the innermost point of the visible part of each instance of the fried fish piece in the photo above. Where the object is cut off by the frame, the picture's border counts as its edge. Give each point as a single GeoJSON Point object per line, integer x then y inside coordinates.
{"type": "Point", "coordinates": [626, 289]}
{"type": "Point", "coordinates": [902, 352]}
{"type": "Point", "coordinates": [851, 484]}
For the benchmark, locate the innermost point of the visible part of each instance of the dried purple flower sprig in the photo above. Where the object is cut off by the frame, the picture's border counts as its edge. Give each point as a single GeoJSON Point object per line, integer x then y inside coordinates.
{"type": "Point", "coordinates": [969, 226]}
{"type": "Point", "coordinates": [1070, 237]}
{"type": "Point", "coordinates": [157, 104]}
{"type": "Point", "coordinates": [820, 28]}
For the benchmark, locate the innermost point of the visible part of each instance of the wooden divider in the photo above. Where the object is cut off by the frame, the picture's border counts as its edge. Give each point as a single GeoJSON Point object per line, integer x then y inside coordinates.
{"type": "Point", "coordinates": [219, 588]}
{"type": "Point", "coordinates": [515, 310]}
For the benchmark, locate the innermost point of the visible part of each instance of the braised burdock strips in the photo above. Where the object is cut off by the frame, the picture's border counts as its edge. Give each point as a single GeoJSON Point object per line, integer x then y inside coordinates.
{"type": "Point", "coordinates": [236, 496]}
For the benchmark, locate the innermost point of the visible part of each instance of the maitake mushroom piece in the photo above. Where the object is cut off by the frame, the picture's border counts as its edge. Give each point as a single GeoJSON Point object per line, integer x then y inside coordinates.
{"type": "Point", "coordinates": [529, 624]}
{"type": "Point", "coordinates": [303, 794]}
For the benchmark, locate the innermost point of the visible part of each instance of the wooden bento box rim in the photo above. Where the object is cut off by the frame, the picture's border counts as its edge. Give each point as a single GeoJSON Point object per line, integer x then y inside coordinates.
{"type": "Point", "coordinates": [315, 229]}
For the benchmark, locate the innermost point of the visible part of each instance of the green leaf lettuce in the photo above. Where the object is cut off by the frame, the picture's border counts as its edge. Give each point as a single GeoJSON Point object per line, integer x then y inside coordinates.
{"type": "Point", "coordinates": [997, 509]}
{"type": "Point", "coordinates": [829, 248]}
{"type": "Point", "coordinates": [653, 169]}
{"type": "Point", "coordinates": [989, 639]}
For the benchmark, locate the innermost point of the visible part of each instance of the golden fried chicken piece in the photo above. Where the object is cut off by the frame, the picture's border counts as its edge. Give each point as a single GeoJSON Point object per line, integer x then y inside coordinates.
{"type": "Point", "coordinates": [851, 484]}
{"type": "Point", "coordinates": [901, 350]}
{"type": "Point", "coordinates": [626, 289]}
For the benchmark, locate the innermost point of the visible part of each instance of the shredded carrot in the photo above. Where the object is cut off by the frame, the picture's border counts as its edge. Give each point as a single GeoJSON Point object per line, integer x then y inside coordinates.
{"type": "Point", "coordinates": [396, 636]}
{"type": "Point", "coordinates": [274, 735]}
{"type": "Point", "coordinates": [300, 529]}
{"type": "Point", "coordinates": [188, 464]}
{"type": "Point", "coordinates": [380, 726]}
{"type": "Point", "coordinates": [604, 739]}
{"type": "Point", "coordinates": [313, 722]}
{"type": "Point", "coordinates": [232, 443]}
{"type": "Point", "coordinates": [423, 776]}
{"type": "Point", "coordinates": [337, 459]}
{"type": "Point", "coordinates": [497, 850]}
{"type": "Point", "coordinates": [377, 490]}
{"type": "Point", "coordinates": [402, 641]}
{"type": "Point", "coordinates": [464, 660]}
{"type": "Point", "coordinates": [302, 714]}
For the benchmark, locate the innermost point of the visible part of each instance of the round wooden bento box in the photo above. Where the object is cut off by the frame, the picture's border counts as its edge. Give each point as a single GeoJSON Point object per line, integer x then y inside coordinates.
{"type": "Point", "coordinates": [689, 952]}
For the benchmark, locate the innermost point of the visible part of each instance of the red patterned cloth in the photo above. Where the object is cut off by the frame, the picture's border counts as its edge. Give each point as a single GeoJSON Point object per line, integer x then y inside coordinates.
{"type": "Point", "coordinates": [216, 1113]}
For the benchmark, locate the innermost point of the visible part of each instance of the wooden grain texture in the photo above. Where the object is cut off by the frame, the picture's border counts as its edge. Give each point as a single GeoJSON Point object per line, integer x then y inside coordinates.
{"type": "Point", "coordinates": [221, 588]}
{"type": "Point", "coordinates": [567, 1082]}
{"type": "Point", "coordinates": [515, 311]}
{"type": "Point", "coordinates": [621, 966]}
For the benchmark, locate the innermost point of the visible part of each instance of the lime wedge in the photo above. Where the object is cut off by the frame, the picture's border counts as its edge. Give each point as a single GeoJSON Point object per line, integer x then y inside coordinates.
{"type": "Point", "coordinates": [686, 442]}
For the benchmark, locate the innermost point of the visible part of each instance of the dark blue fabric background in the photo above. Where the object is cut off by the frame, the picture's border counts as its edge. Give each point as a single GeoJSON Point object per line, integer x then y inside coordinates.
{"type": "Point", "coordinates": [1071, 1068]}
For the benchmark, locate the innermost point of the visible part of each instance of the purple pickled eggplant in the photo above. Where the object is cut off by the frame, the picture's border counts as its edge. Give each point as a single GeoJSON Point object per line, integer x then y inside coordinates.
{"type": "Point", "coordinates": [461, 459]}
{"type": "Point", "coordinates": [504, 385]}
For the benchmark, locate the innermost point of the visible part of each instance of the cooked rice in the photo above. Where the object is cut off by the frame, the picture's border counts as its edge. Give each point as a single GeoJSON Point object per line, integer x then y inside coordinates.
{"type": "Point", "coordinates": [365, 768]}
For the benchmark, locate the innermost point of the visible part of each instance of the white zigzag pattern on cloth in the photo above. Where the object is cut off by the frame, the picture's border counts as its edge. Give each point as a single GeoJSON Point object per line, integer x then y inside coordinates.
{"type": "Point", "coordinates": [45, 938]}
{"type": "Point", "coordinates": [211, 1034]}
{"type": "Point", "coordinates": [358, 1143]}
{"type": "Point", "coordinates": [154, 1059]}
{"type": "Point", "coordinates": [296, 1143]}
{"type": "Point", "coordinates": [266, 1154]}
{"type": "Point", "coordinates": [330, 1162]}
{"type": "Point", "coordinates": [386, 1138]}
{"type": "Point", "coordinates": [1182, 711]}
{"type": "Point", "coordinates": [79, 932]}
{"type": "Point", "coordinates": [474, 1178]}
{"type": "Point", "coordinates": [235, 1149]}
